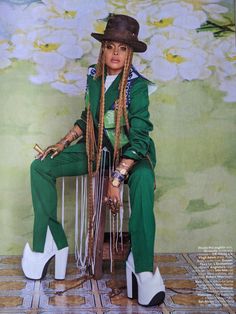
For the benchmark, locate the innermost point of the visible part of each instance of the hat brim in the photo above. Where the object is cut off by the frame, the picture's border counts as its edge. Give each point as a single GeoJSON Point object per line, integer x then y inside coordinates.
{"type": "Point", "coordinates": [138, 46]}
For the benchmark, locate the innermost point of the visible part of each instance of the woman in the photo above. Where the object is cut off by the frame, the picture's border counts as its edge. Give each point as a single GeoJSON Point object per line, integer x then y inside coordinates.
{"type": "Point", "coordinates": [116, 117]}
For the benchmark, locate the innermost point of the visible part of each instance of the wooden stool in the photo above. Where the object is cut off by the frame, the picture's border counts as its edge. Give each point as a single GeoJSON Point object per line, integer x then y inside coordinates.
{"type": "Point", "coordinates": [102, 251]}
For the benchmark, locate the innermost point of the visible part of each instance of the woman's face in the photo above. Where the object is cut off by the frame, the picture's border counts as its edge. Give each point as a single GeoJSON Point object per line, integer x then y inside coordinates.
{"type": "Point", "coordinates": [115, 54]}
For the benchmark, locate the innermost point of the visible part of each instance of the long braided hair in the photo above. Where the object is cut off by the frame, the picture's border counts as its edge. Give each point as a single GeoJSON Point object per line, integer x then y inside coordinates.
{"type": "Point", "coordinates": [94, 150]}
{"type": "Point", "coordinates": [120, 110]}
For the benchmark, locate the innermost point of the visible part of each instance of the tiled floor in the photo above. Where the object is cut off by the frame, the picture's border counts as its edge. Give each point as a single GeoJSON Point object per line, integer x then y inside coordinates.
{"type": "Point", "coordinates": [195, 283]}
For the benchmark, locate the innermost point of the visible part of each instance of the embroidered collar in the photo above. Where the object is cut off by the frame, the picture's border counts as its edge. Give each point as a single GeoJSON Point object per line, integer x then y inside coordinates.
{"type": "Point", "coordinates": [133, 74]}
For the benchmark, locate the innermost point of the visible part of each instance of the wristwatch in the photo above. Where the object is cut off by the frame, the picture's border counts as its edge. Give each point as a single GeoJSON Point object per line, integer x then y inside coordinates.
{"type": "Point", "coordinates": [115, 182]}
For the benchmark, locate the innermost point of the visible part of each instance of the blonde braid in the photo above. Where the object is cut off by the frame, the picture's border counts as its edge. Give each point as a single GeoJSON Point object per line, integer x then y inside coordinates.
{"type": "Point", "coordinates": [100, 62]}
{"type": "Point", "coordinates": [126, 74]}
{"type": "Point", "coordinates": [101, 117]}
{"type": "Point", "coordinates": [90, 148]}
{"type": "Point", "coordinates": [121, 110]}
{"type": "Point", "coordinates": [90, 139]}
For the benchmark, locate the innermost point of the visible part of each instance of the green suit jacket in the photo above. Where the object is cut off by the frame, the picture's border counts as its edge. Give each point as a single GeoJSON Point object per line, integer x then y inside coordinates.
{"type": "Point", "coordinates": [139, 145]}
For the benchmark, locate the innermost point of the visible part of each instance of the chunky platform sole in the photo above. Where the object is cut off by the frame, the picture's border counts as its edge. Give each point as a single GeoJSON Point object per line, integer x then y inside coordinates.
{"type": "Point", "coordinates": [132, 284]}
{"type": "Point", "coordinates": [35, 265]}
{"type": "Point", "coordinates": [156, 297]}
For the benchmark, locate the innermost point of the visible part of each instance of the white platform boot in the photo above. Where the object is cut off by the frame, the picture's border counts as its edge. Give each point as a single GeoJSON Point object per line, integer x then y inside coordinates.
{"type": "Point", "coordinates": [35, 264]}
{"type": "Point", "coordinates": [147, 287]}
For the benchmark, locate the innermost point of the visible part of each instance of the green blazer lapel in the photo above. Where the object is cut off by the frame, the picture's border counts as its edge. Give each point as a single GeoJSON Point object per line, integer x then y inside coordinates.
{"type": "Point", "coordinates": [94, 87]}
{"type": "Point", "coordinates": [112, 93]}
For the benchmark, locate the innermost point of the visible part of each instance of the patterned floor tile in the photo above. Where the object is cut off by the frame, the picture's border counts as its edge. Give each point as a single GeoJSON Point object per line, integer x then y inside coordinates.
{"type": "Point", "coordinates": [169, 258]}
{"type": "Point", "coordinates": [173, 270]}
{"type": "Point", "coordinates": [200, 311]}
{"type": "Point", "coordinates": [77, 301]}
{"type": "Point", "coordinates": [17, 303]}
{"type": "Point", "coordinates": [11, 272]}
{"type": "Point", "coordinates": [132, 311]}
{"type": "Point", "coordinates": [108, 283]}
{"type": "Point", "coordinates": [12, 285]}
{"type": "Point", "coordinates": [49, 286]}
{"type": "Point", "coordinates": [190, 300]}
{"type": "Point", "coordinates": [180, 284]}
{"type": "Point", "coordinates": [67, 311]}
{"type": "Point", "coordinates": [193, 286]}
{"type": "Point", "coordinates": [120, 303]}
{"type": "Point", "coordinates": [11, 301]}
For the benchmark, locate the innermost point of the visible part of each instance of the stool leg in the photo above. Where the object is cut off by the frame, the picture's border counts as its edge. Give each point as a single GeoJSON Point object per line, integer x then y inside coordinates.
{"type": "Point", "coordinates": [99, 249]}
{"type": "Point", "coordinates": [100, 236]}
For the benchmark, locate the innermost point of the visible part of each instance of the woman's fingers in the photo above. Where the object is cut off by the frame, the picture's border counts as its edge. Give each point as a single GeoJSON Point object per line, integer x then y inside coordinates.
{"type": "Point", "coordinates": [113, 204]}
{"type": "Point", "coordinates": [47, 151]}
{"type": "Point", "coordinates": [112, 198]}
{"type": "Point", "coordinates": [114, 207]}
{"type": "Point", "coordinates": [55, 154]}
{"type": "Point", "coordinates": [50, 149]}
{"type": "Point", "coordinates": [54, 149]}
{"type": "Point", "coordinates": [105, 199]}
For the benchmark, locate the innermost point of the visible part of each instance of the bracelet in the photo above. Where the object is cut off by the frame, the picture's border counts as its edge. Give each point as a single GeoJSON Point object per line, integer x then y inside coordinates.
{"type": "Point", "coordinates": [123, 171]}
{"type": "Point", "coordinates": [117, 178]}
{"type": "Point", "coordinates": [116, 182]}
{"type": "Point", "coordinates": [66, 143]}
{"type": "Point", "coordinates": [116, 174]}
{"type": "Point", "coordinates": [74, 134]}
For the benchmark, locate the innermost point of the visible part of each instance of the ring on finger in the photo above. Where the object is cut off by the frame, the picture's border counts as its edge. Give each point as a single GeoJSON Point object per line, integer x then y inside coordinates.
{"type": "Point", "coordinates": [105, 199]}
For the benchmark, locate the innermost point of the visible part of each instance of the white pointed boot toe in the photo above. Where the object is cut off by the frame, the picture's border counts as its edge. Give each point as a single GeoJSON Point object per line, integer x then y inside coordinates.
{"type": "Point", "coordinates": [34, 264]}
{"type": "Point", "coordinates": [149, 289]}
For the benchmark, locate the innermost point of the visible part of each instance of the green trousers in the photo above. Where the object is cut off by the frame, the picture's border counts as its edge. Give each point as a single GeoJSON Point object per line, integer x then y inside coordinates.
{"type": "Point", "coordinates": [44, 196]}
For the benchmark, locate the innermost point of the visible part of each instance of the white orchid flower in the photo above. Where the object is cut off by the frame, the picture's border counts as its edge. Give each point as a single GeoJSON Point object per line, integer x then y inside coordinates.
{"type": "Point", "coordinates": [211, 7]}
{"type": "Point", "coordinates": [51, 34]}
{"type": "Point", "coordinates": [69, 79]}
{"type": "Point", "coordinates": [223, 56]}
{"type": "Point", "coordinates": [15, 19]}
{"type": "Point", "coordinates": [176, 59]}
{"type": "Point", "coordinates": [76, 15]}
{"type": "Point", "coordinates": [163, 18]}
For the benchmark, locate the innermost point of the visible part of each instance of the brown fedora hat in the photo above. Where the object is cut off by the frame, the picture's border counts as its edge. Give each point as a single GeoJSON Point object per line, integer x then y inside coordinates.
{"type": "Point", "coordinates": [122, 28]}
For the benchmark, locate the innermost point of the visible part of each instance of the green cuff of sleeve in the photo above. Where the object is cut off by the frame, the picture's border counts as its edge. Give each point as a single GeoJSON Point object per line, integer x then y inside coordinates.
{"type": "Point", "coordinates": [132, 154]}
{"type": "Point", "coordinates": [82, 124]}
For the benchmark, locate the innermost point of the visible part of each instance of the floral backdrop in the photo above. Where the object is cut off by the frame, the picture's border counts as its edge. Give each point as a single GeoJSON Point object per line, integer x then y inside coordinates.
{"type": "Point", "coordinates": [45, 48]}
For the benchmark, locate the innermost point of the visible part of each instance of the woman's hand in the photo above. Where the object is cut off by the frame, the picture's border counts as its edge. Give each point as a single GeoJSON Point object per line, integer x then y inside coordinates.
{"type": "Point", "coordinates": [57, 148]}
{"type": "Point", "coordinates": [113, 198]}
{"type": "Point", "coordinates": [53, 149]}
